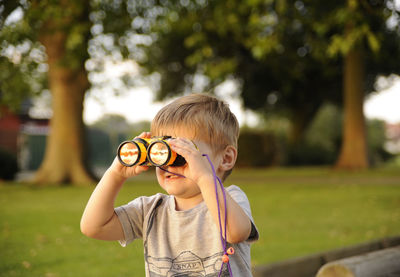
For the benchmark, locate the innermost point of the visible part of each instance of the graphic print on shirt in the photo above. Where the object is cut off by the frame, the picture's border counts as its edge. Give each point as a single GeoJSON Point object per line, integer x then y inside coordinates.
{"type": "Point", "coordinates": [186, 264]}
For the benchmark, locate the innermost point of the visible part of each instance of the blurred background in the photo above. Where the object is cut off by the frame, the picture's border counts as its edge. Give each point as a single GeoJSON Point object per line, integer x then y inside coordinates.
{"type": "Point", "coordinates": [299, 76]}
{"type": "Point", "coordinates": [315, 86]}
{"type": "Point", "coordinates": [295, 73]}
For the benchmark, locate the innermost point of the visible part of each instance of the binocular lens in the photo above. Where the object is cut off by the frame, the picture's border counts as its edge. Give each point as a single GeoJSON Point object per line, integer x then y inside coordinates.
{"type": "Point", "coordinates": [129, 153]}
{"type": "Point", "coordinates": [133, 152]}
{"type": "Point", "coordinates": [159, 153]}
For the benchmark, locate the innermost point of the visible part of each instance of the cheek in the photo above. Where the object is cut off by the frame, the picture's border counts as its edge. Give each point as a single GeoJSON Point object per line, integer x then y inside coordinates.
{"type": "Point", "coordinates": [205, 150]}
{"type": "Point", "coordinates": [159, 174]}
{"type": "Point", "coordinates": [215, 159]}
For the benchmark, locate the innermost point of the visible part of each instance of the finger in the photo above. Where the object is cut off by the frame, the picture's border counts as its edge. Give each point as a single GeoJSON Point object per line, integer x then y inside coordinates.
{"type": "Point", "coordinates": [183, 142]}
{"type": "Point", "coordinates": [184, 149]}
{"type": "Point", "coordinates": [179, 146]}
{"type": "Point", "coordinates": [144, 135]}
{"type": "Point", "coordinates": [141, 135]}
{"type": "Point", "coordinates": [191, 143]}
{"type": "Point", "coordinates": [141, 168]}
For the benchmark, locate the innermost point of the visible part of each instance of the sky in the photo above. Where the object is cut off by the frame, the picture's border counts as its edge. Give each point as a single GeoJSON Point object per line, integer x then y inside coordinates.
{"type": "Point", "coordinates": [137, 104]}
{"type": "Point", "coordinates": [385, 104]}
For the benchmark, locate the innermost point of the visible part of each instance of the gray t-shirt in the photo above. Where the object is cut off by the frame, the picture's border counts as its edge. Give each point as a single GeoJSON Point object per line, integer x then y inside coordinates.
{"type": "Point", "coordinates": [183, 243]}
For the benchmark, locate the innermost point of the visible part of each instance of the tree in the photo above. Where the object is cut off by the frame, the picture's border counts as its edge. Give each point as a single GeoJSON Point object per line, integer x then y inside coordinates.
{"type": "Point", "coordinates": [50, 46]}
{"type": "Point", "coordinates": [275, 49]}
{"type": "Point", "coordinates": [254, 42]}
{"type": "Point", "coordinates": [63, 29]}
{"type": "Point", "coordinates": [68, 83]}
{"type": "Point", "coordinates": [288, 57]}
{"type": "Point", "coordinates": [353, 153]}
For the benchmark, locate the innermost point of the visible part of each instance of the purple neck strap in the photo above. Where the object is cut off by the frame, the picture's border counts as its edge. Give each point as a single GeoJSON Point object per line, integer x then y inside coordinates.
{"type": "Point", "coordinates": [216, 182]}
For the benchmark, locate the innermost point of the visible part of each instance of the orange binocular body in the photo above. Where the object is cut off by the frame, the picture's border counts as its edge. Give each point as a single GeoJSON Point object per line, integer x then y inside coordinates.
{"type": "Point", "coordinates": [149, 152]}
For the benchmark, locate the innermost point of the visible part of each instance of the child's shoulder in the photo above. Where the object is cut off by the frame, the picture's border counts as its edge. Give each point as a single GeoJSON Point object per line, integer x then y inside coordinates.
{"type": "Point", "coordinates": [239, 196]}
{"type": "Point", "coordinates": [233, 189]}
{"type": "Point", "coordinates": [149, 202]}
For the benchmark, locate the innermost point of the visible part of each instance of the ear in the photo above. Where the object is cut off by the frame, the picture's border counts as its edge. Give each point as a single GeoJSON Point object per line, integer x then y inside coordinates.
{"type": "Point", "coordinates": [229, 156]}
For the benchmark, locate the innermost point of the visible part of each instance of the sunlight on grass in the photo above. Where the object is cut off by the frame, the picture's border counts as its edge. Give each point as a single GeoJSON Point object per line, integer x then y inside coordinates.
{"type": "Point", "coordinates": [297, 211]}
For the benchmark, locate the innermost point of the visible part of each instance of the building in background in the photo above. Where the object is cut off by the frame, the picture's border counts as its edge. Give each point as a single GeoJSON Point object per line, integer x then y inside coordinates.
{"type": "Point", "coordinates": [23, 137]}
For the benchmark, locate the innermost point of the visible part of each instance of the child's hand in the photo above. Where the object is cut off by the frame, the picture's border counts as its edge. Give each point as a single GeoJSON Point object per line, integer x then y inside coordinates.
{"type": "Point", "coordinates": [125, 171]}
{"type": "Point", "coordinates": [197, 165]}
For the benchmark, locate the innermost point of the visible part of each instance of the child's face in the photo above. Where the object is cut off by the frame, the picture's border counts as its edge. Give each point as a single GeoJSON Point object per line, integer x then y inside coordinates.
{"type": "Point", "coordinates": [179, 186]}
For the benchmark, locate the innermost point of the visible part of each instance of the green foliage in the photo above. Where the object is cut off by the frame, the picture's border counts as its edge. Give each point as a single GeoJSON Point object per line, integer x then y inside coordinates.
{"type": "Point", "coordinates": [139, 127]}
{"type": "Point", "coordinates": [49, 17]}
{"type": "Point", "coordinates": [8, 165]}
{"type": "Point", "coordinates": [287, 51]}
{"type": "Point", "coordinates": [394, 162]}
{"type": "Point", "coordinates": [23, 68]}
{"type": "Point", "coordinates": [321, 141]}
{"type": "Point", "coordinates": [287, 56]}
{"type": "Point", "coordinates": [112, 123]}
{"type": "Point", "coordinates": [14, 85]}
{"type": "Point", "coordinates": [376, 138]}
{"type": "Point", "coordinates": [257, 149]}
{"type": "Point", "coordinates": [319, 145]}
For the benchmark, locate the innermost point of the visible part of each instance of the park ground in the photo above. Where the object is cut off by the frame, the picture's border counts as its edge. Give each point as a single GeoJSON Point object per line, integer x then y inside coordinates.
{"type": "Point", "coordinates": [298, 211]}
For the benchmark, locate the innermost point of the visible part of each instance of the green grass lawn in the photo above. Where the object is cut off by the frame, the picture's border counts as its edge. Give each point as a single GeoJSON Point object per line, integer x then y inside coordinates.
{"type": "Point", "coordinates": [297, 211]}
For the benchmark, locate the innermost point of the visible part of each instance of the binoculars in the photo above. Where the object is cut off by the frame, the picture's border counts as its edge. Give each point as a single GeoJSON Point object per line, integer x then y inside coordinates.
{"type": "Point", "coordinates": [149, 152]}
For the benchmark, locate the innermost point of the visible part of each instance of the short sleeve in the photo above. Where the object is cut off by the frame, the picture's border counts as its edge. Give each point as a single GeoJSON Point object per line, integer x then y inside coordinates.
{"type": "Point", "coordinates": [131, 217]}
{"type": "Point", "coordinates": [240, 197]}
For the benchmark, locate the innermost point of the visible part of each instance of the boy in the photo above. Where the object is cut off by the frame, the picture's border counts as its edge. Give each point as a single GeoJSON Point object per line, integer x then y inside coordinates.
{"type": "Point", "coordinates": [184, 232]}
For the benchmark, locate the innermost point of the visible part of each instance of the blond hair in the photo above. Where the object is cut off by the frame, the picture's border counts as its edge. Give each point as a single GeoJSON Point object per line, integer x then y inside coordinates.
{"type": "Point", "coordinates": [209, 118]}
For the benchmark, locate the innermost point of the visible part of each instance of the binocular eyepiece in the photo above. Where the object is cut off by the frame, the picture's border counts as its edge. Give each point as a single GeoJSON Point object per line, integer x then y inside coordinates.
{"type": "Point", "coordinates": [149, 152]}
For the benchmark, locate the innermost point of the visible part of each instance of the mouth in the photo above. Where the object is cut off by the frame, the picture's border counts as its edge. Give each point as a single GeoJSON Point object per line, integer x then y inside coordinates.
{"type": "Point", "coordinates": [172, 175]}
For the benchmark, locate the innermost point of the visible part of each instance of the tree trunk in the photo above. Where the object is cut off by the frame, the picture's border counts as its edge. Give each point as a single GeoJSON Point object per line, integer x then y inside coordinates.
{"type": "Point", "coordinates": [65, 146]}
{"type": "Point", "coordinates": [353, 153]}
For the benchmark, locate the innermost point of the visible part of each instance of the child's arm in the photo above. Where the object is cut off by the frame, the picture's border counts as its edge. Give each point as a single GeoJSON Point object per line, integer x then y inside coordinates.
{"type": "Point", "coordinates": [99, 220]}
{"type": "Point", "coordinates": [238, 226]}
